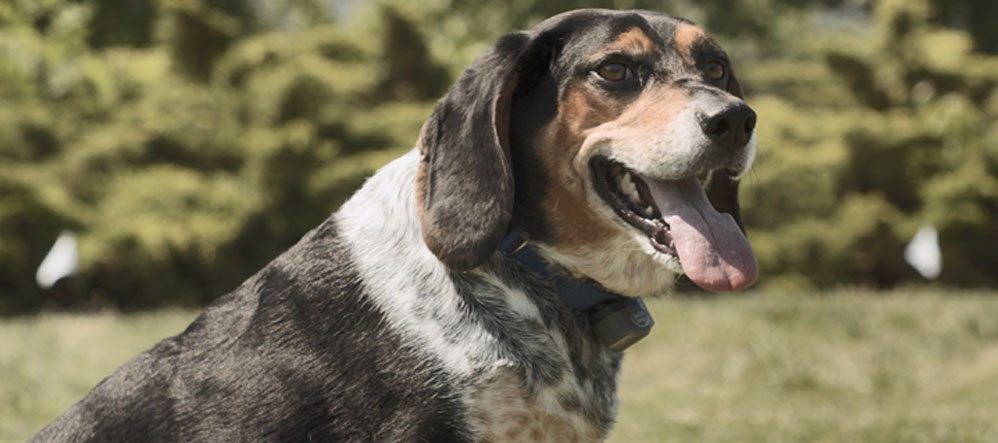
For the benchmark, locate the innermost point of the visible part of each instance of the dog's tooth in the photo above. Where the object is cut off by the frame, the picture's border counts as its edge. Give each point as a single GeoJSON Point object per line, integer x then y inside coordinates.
{"type": "Point", "coordinates": [649, 211]}
{"type": "Point", "coordinates": [633, 194]}
{"type": "Point", "coordinates": [627, 187]}
{"type": "Point", "coordinates": [631, 189]}
{"type": "Point", "coordinates": [626, 184]}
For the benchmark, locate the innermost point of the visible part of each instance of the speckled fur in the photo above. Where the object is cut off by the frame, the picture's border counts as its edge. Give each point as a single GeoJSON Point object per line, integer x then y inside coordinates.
{"type": "Point", "coordinates": [501, 332]}
{"type": "Point", "coordinates": [396, 320]}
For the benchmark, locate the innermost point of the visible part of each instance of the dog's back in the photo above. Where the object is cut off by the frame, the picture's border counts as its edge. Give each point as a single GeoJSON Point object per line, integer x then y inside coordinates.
{"type": "Point", "coordinates": [297, 353]}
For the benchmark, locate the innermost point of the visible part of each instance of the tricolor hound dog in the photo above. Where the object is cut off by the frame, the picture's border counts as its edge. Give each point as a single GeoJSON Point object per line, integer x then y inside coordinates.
{"type": "Point", "coordinates": [609, 143]}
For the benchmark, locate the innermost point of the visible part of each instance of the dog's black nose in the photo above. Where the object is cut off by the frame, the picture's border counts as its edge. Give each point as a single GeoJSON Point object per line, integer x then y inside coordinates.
{"type": "Point", "coordinates": [732, 126]}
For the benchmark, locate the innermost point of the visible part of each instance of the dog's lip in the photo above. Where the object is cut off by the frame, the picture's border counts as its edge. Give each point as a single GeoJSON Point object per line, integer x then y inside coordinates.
{"type": "Point", "coordinates": [640, 212]}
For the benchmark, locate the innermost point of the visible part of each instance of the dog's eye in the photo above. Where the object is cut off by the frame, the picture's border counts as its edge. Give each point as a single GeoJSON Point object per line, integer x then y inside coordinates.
{"type": "Point", "coordinates": [714, 70]}
{"type": "Point", "coordinates": [614, 72]}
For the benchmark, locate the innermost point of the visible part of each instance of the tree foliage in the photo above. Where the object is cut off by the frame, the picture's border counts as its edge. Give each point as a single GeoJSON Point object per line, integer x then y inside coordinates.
{"type": "Point", "coordinates": [189, 154]}
{"type": "Point", "coordinates": [902, 133]}
{"type": "Point", "coordinates": [188, 142]}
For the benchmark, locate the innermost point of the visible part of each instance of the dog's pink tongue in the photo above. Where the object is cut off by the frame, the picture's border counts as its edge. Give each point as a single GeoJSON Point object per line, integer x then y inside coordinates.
{"type": "Point", "coordinates": [713, 251]}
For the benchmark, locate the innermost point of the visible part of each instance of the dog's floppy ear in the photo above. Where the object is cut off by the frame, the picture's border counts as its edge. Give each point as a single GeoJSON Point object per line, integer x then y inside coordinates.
{"type": "Point", "coordinates": [465, 180]}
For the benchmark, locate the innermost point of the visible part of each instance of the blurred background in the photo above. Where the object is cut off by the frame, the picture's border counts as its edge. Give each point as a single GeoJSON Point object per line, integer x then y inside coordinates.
{"type": "Point", "coordinates": [180, 145]}
{"type": "Point", "coordinates": [188, 142]}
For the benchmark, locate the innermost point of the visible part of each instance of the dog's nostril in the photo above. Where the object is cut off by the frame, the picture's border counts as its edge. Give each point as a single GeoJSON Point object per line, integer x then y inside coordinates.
{"type": "Point", "coordinates": [719, 127]}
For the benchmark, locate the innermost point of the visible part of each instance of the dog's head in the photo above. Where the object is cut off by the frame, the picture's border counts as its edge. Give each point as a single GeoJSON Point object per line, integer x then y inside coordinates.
{"type": "Point", "coordinates": [613, 140]}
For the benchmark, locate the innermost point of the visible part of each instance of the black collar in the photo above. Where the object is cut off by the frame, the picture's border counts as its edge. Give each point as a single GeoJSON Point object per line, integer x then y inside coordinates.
{"type": "Point", "coordinates": [616, 320]}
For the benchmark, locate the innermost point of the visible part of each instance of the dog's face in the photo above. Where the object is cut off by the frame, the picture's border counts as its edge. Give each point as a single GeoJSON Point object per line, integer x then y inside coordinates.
{"type": "Point", "coordinates": [614, 141]}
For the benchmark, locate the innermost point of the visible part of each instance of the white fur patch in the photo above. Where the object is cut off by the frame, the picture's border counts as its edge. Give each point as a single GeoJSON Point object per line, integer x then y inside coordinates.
{"type": "Point", "coordinates": [380, 225]}
{"type": "Point", "coordinates": [626, 264]}
{"type": "Point", "coordinates": [515, 299]}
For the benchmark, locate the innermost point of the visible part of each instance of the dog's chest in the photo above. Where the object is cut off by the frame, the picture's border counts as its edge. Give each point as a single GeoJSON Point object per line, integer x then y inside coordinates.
{"type": "Point", "coordinates": [502, 410]}
{"type": "Point", "coordinates": [552, 381]}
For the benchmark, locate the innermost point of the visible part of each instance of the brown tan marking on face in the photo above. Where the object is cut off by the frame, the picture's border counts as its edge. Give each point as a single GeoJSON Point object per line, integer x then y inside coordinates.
{"type": "Point", "coordinates": [569, 212]}
{"type": "Point", "coordinates": [650, 114]}
{"type": "Point", "coordinates": [579, 220]}
{"type": "Point", "coordinates": [576, 225]}
{"type": "Point", "coordinates": [633, 41]}
{"type": "Point", "coordinates": [685, 38]}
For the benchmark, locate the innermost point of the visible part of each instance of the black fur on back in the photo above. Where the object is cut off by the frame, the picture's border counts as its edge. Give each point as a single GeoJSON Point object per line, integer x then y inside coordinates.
{"type": "Point", "coordinates": [295, 354]}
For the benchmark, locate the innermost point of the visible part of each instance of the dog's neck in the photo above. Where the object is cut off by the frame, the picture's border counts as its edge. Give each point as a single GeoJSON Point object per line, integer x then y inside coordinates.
{"type": "Point", "coordinates": [617, 321]}
{"type": "Point", "coordinates": [497, 316]}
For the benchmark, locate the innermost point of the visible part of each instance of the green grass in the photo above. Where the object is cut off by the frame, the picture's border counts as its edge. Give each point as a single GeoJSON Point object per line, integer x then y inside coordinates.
{"type": "Point", "coordinates": [49, 361]}
{"type": "Point", "coordinates": [843, 367]}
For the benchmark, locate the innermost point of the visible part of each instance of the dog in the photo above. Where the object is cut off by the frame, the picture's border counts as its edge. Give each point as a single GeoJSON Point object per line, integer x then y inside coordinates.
{"type": "Point", "coordinates": [607, 144]}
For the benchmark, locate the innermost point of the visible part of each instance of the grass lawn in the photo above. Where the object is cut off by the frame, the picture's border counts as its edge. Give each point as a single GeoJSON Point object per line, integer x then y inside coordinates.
{"type": "Point", "coordinates": [841, 367]}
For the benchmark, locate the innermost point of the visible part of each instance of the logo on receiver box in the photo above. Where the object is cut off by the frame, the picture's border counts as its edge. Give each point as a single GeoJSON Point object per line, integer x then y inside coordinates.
{"type": "Point", "coordinates": [641, 318]}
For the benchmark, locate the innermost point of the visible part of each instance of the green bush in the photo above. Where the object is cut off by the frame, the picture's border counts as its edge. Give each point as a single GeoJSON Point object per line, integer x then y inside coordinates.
{"type": "Point", "coordinates": [188, 142]}
{"type": "Point", "coordinates": [185, 171]}
{"type": "Point", "coordinates": [843, 182]}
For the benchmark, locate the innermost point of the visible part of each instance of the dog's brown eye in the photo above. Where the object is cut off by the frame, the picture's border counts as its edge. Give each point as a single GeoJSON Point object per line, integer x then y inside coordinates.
{"type": "Point", "coordinates": [714, 70]}
{"type": "Point", "coordinates": [613, 72]}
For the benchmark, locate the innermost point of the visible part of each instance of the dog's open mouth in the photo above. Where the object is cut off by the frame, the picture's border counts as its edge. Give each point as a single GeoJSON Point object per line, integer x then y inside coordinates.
{"type": "Point", "coordinates": [628, 194]}
{"type": "Point", "coordinates": [679, 221]}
